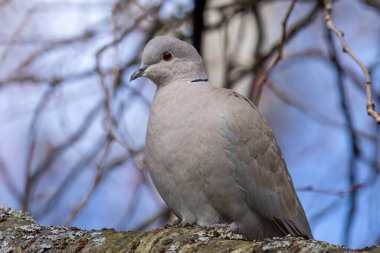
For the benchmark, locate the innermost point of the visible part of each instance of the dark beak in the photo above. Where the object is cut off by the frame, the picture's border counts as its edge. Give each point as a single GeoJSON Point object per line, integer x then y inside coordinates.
{"type": "Point", "coordinates": [138, 73]}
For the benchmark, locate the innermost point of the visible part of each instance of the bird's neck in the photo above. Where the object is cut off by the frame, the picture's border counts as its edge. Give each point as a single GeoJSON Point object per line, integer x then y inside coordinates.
{"type": "Point", "coordinates": [186, 73]}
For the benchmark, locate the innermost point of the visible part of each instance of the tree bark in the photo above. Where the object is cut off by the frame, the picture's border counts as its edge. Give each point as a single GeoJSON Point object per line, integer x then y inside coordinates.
{"type": "Point", "coordinates": [20, 233]}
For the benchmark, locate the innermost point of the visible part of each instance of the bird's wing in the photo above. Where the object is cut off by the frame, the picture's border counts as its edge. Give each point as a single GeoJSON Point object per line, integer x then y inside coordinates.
{"type": "Point", "coordinates": [259, 167]}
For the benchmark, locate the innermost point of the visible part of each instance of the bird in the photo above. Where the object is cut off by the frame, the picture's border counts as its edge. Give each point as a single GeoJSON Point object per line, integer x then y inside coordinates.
{"type": "Point", "coordinates": [210, 153]}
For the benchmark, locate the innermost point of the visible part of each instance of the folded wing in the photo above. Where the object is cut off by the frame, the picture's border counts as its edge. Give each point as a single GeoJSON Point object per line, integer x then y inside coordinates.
{"type": "Point", "coordinates": [259, 167]}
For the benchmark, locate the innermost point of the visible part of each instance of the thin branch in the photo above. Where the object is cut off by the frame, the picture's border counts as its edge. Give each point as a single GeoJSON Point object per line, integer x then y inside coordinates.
{"type": "Point", "coordinates": [346, 49]}
{"type": "Point", "coordinates": [164, 214]}
{"type": "Point", "coordinates": [314, 114]}
{"type": "Point", "coordinates": [198, 23]}
{"type": "Point", "coordinates": [62, 187]}
{"type": "Point", "coordinates": [261, 82]}
{"type": "Point", "coordinates": [103, 169]}
{"type": "Point", "coordinates": [339, 193]}
{"type": "Point", "coordinates": [8, 180]}
{"type": "Point", "coordinates": [261, 35]}
{"type": "Point", "coordinates": [24, 22]}
{"type": "Point", "coordinates": [375, 4]}
{"type": "Point", "coordinates": [97, 180]}
{"type": "Point", "coordinates": [353, 141]}
{"type": "Point", "coordinates": [135, 198]}
{"type": "Point", "coordinates": [32, 135]}
{"type": "Point", "coordinates": [109, 121]}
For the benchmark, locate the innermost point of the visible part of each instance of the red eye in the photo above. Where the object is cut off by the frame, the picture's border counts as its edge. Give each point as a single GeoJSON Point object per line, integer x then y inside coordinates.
{"type": "Point", "coordinates": [167, 56]}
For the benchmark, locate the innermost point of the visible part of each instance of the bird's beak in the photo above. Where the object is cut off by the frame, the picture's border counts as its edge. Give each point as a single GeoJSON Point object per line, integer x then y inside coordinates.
{"type": "Point", "coordinates": [138, 73]}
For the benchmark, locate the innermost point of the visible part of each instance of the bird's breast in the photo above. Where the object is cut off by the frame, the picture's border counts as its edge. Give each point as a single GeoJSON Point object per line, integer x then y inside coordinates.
{"type": "Point", "coordinates": [182, 131]}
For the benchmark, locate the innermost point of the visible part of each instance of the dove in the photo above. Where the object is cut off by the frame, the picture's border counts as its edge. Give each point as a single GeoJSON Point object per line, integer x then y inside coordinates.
{"type": "Point", "coordinates": [210, 153]}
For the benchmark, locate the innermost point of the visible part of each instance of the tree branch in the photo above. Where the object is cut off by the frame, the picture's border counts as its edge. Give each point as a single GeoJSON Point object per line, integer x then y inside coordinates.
{"type": "Point", "coordinates": [20, 233]}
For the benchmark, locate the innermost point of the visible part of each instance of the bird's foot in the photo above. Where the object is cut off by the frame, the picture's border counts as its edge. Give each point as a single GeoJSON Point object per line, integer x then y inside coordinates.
{"type": "Point", "coordinates": [177, 222]}
{"type": "Point", "coordinates": [180, 223]}
{"type": "Point", "coordinates": [187, 224]}
{"type": "Point", "coordinates": [230, 226]}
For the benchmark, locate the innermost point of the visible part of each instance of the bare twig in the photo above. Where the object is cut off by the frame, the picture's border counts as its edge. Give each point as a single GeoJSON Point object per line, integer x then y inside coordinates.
{"type": "Point", "coordinates": [339, 193]}
{"type": "Point", "coordinates": [354, 145]}
{"type": "Point", "coordinates": [261, 35]}
{"type": "Point", "coordinates": [8, 180]}
{"type": "Point", "coordinates": [16, 33]}
{"type": "Point", "coordinates": [375, 4]}
{"type": "Point", "coordinates": [134, 199]}
{"type": "Point", "coordinates": [368, 83]}
{"type": "Point", "coordinates": [103, 169]}
{"type": "Point", "coordinates": [61, 188]}
{"type": "Point", "coordinates": [110, 121]}
{"type": "Point", "coordinates": [71, 140]}
{"type": "Point", "coordinates": [29, 178]}
{"type": "Point", "coordinates": [291, 33]}
{"type": "Point", "coordinates": [260, 83]}
{"type": "Point", "coordinates": [164, 214]}
{"type": "Point", "coordinates": [198, 23]}
{"type": "Point", "coordinates": [314, 114]}
{"type": "Point", "coordinates": [97, 180]}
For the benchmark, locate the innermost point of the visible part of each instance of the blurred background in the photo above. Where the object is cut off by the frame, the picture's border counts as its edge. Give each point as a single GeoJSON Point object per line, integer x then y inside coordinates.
{"type": "Point", "coordinates": [72, 127]}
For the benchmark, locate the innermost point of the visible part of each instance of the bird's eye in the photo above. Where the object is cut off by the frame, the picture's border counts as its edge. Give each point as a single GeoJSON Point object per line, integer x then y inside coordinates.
{"type": "Point", "coordinates": [167, 56]}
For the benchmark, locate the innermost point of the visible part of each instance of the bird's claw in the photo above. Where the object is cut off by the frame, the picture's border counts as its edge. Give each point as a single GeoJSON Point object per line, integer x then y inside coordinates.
{"type": "Point", "coordinates": [230, 226]}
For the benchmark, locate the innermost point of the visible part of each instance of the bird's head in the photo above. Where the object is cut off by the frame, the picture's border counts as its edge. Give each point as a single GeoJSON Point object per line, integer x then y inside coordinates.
{"type": "Point", "coordinates": [166, 59]}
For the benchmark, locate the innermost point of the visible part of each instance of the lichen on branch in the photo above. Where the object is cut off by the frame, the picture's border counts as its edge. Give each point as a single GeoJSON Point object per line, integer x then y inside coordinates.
{"type": "Point", "coordinates": [20, 233]}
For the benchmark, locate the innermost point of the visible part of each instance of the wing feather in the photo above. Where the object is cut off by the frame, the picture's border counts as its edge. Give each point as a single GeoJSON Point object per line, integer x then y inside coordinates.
{"type": "Point", "coordinates": [259, 167]}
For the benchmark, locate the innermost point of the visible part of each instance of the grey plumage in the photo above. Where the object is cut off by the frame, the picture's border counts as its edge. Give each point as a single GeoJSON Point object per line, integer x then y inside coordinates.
{"type": "Point", "coordinates": [211, 155]}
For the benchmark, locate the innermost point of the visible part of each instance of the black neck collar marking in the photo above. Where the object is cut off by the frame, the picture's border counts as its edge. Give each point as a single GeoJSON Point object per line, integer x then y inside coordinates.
{"type": "Point", "coordinates": [199, 80]}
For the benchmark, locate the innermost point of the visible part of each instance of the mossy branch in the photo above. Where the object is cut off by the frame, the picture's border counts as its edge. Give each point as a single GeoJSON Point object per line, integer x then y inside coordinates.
{"type": "Point", "coordinates": [20, 233]}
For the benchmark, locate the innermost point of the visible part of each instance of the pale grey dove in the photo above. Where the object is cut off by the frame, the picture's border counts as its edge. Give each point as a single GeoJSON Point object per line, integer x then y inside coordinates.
{"type": "Point", "coordinates": [210, 153]}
